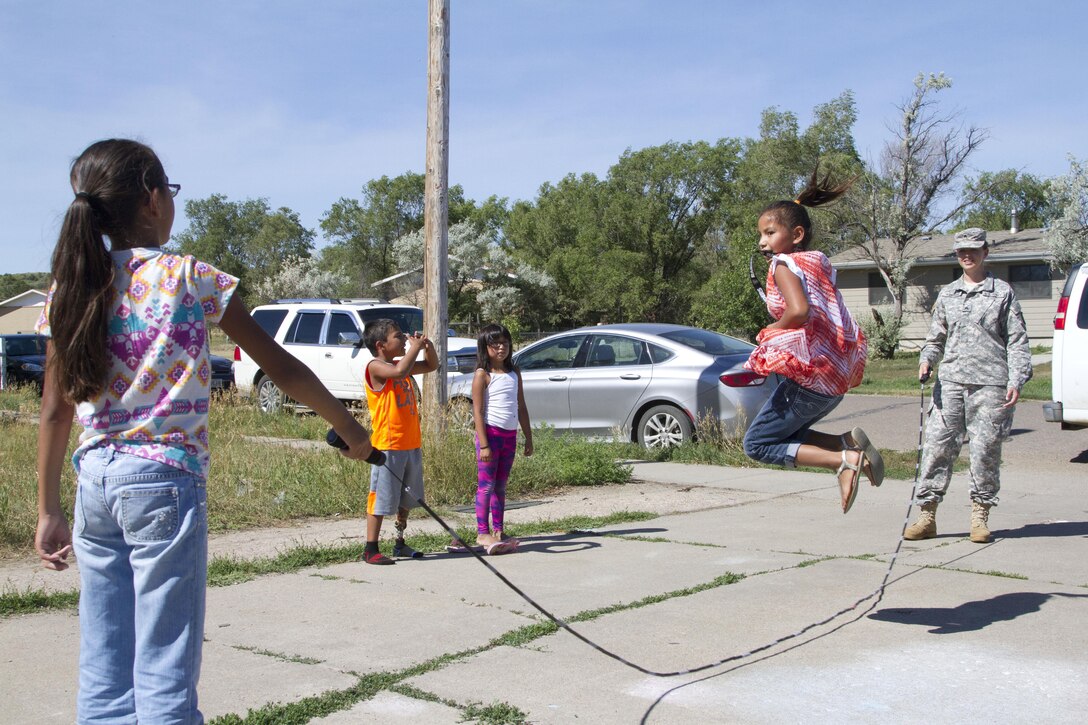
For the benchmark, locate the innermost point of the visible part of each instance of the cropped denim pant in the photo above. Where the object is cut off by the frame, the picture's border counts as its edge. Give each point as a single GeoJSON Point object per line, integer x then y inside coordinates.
{"type": "Point", "coordinates": [783, 423]}
{"type": "Point", "coordinates": [141, 540]}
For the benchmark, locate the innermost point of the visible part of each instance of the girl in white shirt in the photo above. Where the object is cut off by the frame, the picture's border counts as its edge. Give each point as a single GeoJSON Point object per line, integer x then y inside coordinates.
{"type": "Point", "coordinates": [498, 406]}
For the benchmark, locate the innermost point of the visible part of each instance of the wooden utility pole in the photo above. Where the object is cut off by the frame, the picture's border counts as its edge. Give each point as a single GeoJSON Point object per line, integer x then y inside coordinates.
{"type": "Point", "coordinates": [436, 208]}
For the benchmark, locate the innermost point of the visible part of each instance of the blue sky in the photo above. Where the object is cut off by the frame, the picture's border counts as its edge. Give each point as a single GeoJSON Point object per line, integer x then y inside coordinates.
{"type": "Point", "coordinates": [302, 103]}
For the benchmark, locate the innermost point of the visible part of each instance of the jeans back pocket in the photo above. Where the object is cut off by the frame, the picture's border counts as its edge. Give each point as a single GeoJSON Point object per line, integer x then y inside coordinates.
{"type": "Point", "coordinates": [150, 514]}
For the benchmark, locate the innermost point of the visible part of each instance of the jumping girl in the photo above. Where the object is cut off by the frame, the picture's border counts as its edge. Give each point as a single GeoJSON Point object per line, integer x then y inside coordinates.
{"type": "Point", "coordinates": [128, 355]}
{"type": "Point", "coordinates": [814, 345]}
{"type": "Point", "coordinates": [498, 406]}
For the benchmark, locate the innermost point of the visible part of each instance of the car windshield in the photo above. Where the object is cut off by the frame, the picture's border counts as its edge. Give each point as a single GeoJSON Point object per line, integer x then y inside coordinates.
{"type": "Point", "coordinates": [34, 345]}
{"type": "Point", "coordinates": [712, 343]}
{"type": "Point", "coordinates": [408, 319]}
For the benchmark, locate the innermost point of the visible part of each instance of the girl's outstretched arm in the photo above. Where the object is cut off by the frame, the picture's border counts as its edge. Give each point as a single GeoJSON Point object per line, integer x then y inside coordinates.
{"type": "Point", "coordinates": [53, 539]}
{"type": "Point", "coordinates": [294, 379]}
{"type": "Point", "coordinates": [523, 418]}
{"type": "Point", "coordinates": [789, 284]}
{"type": "Point", "coordinates": [479, 415]}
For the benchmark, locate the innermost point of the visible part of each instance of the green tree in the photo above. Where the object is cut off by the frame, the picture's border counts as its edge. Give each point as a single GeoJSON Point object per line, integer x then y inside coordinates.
{"type": "Point", "coordinates": [15, 284]}
{"type": "Point", "coordinates": [551, 233]}
{"type": "Point", "coordinates": [362, 231]}
{"type": "Point", "coordinates": [772, 167]}
{"type": "Point", "coordinates": [662, 202]}
{"type": "Point", "coordinates": [485, 283]}
{"type": "Point", "coordinates": [298, 277]}
{"type": "Point", "coordinates": [243, 238]}
{"type": "Point", "coordinates": [728, 303]}
{"type": "Point", "coordinates": [993, 197]}
{"type": "Point", "coordinates": [622, 248]}
{"type": "Point", "coordinates": [1068, 231]}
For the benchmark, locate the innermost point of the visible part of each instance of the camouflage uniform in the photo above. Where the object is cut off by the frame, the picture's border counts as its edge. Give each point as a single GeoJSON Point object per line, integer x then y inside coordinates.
{"type": "Point", "coordinates": [982, 334]}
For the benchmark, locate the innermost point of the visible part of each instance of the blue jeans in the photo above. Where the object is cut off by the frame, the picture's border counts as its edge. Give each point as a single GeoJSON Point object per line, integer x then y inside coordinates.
{"type": "Point", "coordinates": [783, 423]}
{"type": "Point", "coordinates": [141, 540]}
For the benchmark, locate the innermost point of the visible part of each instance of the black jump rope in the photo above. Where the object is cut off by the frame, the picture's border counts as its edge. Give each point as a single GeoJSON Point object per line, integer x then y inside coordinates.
{"type": "Point", "coordinates": [378, 458]}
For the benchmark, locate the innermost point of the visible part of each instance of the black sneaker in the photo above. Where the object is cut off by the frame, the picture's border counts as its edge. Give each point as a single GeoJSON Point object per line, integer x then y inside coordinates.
{"type": "Point", "coordinates": [401, 550]}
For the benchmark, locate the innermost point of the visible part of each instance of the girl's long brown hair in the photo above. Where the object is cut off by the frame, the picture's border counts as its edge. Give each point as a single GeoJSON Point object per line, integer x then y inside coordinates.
{"type": "Point", "coordinates": [817, 192]}
{"type": "Point", "coordinates": [112, 179]}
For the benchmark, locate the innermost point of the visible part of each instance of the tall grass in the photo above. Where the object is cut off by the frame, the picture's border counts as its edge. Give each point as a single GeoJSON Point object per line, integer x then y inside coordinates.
{"type": "Point", "coordinates": [257, 483]}
{"type": "Point", "coordinates": [19, 484]}
{"type": "Point", "coordinates": [20, 399]}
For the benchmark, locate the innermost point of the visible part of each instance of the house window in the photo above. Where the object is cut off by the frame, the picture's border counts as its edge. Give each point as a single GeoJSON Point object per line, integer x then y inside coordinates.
{"type": "Point", "coordinates": [1030, 281]}
{"type": "Point", "coordinates": [879, 294]}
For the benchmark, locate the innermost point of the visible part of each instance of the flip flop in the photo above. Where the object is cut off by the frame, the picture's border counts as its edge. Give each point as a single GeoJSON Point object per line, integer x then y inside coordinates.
{"type": "Point", "coordinates": [501, 547]}
{"type": "Point", "coordinates": [875, 471]}
{"type": "Point", "coordinates": [462, 549]}
{"type": "Point", "coordinates": [856, 468]}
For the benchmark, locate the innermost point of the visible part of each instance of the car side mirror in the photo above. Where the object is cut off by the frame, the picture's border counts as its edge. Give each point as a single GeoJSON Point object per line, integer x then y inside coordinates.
{"type": "Point", "coordinates": [349, 338]}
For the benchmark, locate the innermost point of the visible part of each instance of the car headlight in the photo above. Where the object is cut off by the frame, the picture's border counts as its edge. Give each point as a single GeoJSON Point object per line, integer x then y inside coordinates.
{"type": "Point", "coordinates": [31, 367]}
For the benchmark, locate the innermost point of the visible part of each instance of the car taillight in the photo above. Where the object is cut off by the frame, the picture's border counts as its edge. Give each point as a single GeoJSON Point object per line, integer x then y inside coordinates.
{"type": "Point", "coordinates": [1059, 317]}
{"type": "Point", "coordinates": [742, 380]}
{"type": "Point", "coordinates": [237, 353]}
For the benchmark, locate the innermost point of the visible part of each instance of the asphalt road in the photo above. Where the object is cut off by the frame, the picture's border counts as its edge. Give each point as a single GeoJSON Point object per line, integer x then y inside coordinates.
{"type": "Point", "coordinates": [892, 422]}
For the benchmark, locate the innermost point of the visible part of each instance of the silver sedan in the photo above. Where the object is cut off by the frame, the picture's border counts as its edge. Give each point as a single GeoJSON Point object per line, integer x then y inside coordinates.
{"type": "Point", "coordinates": [650, 383]}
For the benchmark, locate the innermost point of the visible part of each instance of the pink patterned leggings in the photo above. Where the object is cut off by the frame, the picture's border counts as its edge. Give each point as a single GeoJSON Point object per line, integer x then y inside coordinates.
{"type": "Point", "coordinates": [492, 476]}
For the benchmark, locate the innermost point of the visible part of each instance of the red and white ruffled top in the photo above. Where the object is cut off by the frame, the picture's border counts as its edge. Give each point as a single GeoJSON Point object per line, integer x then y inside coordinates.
{"type": "Point", "coordinates": [827, 354]}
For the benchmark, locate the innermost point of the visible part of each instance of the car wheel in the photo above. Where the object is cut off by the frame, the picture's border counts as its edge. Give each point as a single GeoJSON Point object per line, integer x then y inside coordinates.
{"type": "Point", "coordinates": [270, 398]}
{"type": "Point", "coordinates": [663, 426]}
{"type": "Point", "coordinates": [459, 414]}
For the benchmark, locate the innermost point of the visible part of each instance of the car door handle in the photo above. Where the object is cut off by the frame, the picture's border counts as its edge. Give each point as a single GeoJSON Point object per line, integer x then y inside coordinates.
{"type": "Point", "coordinates": [630, 376]}
{"type": "Point", "coordinates": [328, 355]}
{"type": "Point", "coordinates": [557, 378]}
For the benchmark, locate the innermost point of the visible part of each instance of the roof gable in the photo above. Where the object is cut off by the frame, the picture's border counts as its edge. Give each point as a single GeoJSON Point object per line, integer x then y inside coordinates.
{"type": "Point", "coordinates": [30, 298]}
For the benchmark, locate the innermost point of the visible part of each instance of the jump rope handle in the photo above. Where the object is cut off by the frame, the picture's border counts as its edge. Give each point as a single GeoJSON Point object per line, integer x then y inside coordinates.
{"type": "Point", "coordinates": [921, 379]}
{"type": "Point", "coordinates": [376, 457]}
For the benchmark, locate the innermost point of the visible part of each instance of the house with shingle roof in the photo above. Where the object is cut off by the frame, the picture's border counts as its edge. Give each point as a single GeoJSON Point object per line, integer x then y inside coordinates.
{"type": "Point", "coordinates": [1021, 258]}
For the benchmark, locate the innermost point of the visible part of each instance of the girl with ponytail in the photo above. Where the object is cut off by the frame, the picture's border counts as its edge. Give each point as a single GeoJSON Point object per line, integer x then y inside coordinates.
{"type": "Point", "coordinates": [814, 345]}
{"type": "Point", "coordinates": [128, 357]}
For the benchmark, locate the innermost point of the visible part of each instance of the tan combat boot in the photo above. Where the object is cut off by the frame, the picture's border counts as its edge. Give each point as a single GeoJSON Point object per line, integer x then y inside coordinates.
{"type": "Point", "coordinates": [980, 520]}
{"type": "Point", "coordinates": [926, 525]}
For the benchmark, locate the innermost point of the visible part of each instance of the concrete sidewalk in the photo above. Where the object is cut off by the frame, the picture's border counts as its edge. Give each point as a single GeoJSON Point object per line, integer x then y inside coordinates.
{"type": "Point", "coordinates": [964, 632]}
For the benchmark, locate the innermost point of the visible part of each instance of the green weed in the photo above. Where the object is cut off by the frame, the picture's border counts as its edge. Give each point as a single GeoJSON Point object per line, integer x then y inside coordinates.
{"type": "Point", "coordinates": [497, 713]}
{"type": "Point", "coordinates": [31, 601]}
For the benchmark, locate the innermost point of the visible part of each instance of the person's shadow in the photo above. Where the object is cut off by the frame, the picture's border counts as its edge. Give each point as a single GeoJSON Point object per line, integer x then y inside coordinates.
{"type": "Point", "coordinates": [970, 616]}
{"type": "Point", "coordinates": [1053, 528]}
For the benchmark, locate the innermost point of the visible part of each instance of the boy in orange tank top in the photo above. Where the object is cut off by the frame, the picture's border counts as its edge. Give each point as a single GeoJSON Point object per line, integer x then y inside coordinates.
{"type": "Point", "coordinates": [394, 417]}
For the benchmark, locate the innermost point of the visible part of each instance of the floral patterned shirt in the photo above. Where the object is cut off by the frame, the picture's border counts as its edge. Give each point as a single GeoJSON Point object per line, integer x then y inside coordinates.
{"type": "Point", "coordinates": [155, 404]}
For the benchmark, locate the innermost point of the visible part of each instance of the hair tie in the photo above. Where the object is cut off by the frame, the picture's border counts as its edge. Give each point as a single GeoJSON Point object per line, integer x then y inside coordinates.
{"type": "Point", "coordinates": [798, 202]}
{"type": "Point", "coordinates": [83, 195]}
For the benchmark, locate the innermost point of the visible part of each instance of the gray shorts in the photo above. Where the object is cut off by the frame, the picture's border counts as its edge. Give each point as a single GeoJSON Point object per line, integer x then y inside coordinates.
{"type": "Point", "coordinates": [397, 484]}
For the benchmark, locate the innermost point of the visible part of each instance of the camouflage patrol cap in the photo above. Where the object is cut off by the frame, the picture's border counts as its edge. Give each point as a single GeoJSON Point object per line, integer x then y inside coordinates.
{"type": "Point", "coordinates": [973, 238]}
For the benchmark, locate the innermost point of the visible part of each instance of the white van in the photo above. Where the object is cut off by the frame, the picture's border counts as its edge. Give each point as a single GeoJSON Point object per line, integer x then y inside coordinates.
{"type": "Point", "coordinates": [1070, 366]}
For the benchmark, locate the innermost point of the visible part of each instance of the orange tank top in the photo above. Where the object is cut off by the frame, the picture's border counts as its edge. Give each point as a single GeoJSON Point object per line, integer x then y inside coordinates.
{"type": "Point", "coordinates": [394, 414]}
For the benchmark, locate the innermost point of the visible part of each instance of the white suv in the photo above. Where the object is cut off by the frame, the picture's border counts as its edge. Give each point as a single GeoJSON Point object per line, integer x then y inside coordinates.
{"type": "Point", "coordinates": [327, 335]}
